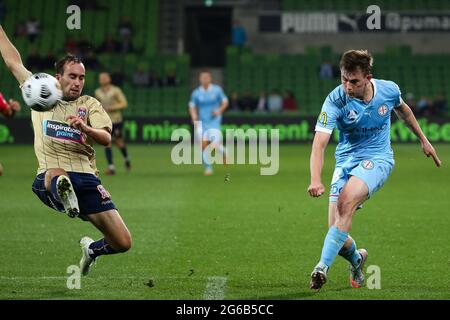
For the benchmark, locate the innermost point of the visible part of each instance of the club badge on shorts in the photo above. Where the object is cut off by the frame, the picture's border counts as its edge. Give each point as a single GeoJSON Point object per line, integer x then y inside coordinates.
{"type": "Point", "coordinates": [367, 164]}
{"type": "Point", "coordinates": [103, 192]}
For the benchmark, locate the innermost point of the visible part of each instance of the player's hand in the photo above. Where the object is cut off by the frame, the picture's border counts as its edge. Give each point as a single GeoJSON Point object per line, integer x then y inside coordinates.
{"type": "Point", "coordinates": [316, 189]}
{"type": "Point", "coordinates": [429, 151]}
{"type": "Point", "coordinates": [77, 123]}
{"type": "Point", "coordinates": [14, 105]}
{"type": "Point", "coordinates": [217, 112]}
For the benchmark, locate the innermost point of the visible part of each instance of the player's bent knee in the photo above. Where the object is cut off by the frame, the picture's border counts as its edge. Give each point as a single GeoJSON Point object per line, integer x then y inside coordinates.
{"type": "Point", "coordinates": [123, 243]}
{"type": "Point", "coordinates": [345, 207]}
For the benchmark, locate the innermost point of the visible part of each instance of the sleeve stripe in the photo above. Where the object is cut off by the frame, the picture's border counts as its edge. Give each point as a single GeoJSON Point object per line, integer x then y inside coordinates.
{"type": "Point", "coordinates": [192, 105]}
{"type": "Point", "coordinates": [325, 130]}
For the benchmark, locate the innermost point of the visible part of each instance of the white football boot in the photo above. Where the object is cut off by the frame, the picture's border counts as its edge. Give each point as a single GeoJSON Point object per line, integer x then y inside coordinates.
{"type": "Point", "coordinates": [86, 260]}
{"type": "Point", "coordinates": [67, 195]}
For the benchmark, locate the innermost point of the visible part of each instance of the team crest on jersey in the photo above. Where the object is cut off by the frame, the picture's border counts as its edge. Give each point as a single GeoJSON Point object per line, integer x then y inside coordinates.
{"type": "Point", "coordinates": [352, 115]}
{"type": "Point", "coordinates": [367, 164]}
{"type": "Point", "coordinates": [382, 110]}
{"type": "Point", "coordinates": [103, 192]}
{"type": "Point", "coordinates": [82, 112]}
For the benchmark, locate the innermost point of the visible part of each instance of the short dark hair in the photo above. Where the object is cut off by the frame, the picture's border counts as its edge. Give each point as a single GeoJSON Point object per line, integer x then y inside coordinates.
{"type": "Point", "coordinates": [59, 66]}
{"type": "Point", "coordinates": [353, 59]}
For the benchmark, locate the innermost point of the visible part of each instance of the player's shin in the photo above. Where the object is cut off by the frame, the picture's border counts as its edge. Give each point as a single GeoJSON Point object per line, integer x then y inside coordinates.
{"type": "Point", "coordinates": [333, 243]}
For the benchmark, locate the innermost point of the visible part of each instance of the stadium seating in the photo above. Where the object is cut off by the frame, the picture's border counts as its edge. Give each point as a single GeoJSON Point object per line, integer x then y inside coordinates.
{"type": "Point", "coordinates": [96, 25]}
{"type": "Point", "coordinates": [422, 75]}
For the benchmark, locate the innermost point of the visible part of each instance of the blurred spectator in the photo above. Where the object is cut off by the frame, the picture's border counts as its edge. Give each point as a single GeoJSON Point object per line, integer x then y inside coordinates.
{"type": "Point", "coordinates": [110, 45]}
{"type": "Point", "coordinates": [33, 28]}
{"type": "Point", "coordinates": [91, 61]}
{"type": "Point", "coordinates": [21, 29]}
{"type": "Point", "coordinates": [34, 60]}
{"type": "Point", "coordinates": [84, 47]}
{"type": "Point", "coordinates": [262, 102]}
{"type": "Point", "coordinates": [248, 102]}
{"type": "Point", "coordinates": [440, 105]}
{"type": "Point", "coordinates": [171, 79]}
{"type": "Point", "coordinates": [326, 70]}
{"type": "Point", "coordinates": [238, 35]}
{"type": "Point", "coordinates": [275, 101]}
{"type": "Point", "coordinates": [70, 45]}
{"type": "Point", "coordinates": [48, 62]}
{"type": "Point", "coordinates": [141, 78]}
{"type": "Point", "coordinates": [117, 77]}
{"type": "Point", "coordinates": [289, 102]}
{"type": "Point", "coordinates": [424, 107]}
{"type": "Point", "coordinates": [155, 80]}
{"type": "Point", "coordinates": [234, 102]}
{"type": "Point", "coordinates": [125, 28]}
{"type": "Point", "coordinates": [126, 46]}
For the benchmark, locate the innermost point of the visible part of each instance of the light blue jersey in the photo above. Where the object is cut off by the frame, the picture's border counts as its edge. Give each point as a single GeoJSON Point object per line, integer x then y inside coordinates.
{"type": "Point", "coordinates": [364, 128]}
{"type": "Point", "coordinates": [206, 101]}
{"type": "Point", "coordinates": [364, 148]}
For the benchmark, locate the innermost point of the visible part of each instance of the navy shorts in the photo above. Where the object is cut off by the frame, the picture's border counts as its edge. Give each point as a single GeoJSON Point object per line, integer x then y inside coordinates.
{"type": "Point", "coordinates": [92, 196]}
{"type": "Point", "coordinates": [117, 130]}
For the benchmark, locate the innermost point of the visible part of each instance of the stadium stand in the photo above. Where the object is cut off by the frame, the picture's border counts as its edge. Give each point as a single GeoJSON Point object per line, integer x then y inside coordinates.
{"type": "Point", "coordinates": [96, 25]}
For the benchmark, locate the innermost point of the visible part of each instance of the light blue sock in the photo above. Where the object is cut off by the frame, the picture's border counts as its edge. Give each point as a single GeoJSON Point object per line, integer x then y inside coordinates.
{"type": "Point", "coordinates": [351, 254]}
{"type": "Point", "coordinates": [206, 161]}
{"type": "Point", "coordinates": [333, 243]}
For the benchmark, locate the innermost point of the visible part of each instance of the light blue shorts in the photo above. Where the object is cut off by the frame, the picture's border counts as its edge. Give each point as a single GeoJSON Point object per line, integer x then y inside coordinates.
{"type": "Point", "coordinates": [373, 171]}
{"type": "Point", "coordinates": [210, 132]}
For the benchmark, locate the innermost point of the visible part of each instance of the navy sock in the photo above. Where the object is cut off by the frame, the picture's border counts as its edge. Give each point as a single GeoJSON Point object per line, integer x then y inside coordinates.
{"type": "Point", "coordinates": [124, 152]}
{"type": "Point", "coordinates": [53, 188]}
{"type": "Point", "coordinates": [108, 152]}
{"type": "Point", "coordinates": [99, 248]}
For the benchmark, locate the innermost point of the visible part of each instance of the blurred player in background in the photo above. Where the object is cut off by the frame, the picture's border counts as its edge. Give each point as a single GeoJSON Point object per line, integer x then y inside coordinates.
{"type": "Point", "coordinates": [113, 101]}
{"type": "Point", "coordinates": [8, 109]}
{"type": "Point", "coordinates": [361, 109]}
{"type": "Point", "coordinates": [208, 103]}
{"type": "Point", "coordinates": [67, 179]}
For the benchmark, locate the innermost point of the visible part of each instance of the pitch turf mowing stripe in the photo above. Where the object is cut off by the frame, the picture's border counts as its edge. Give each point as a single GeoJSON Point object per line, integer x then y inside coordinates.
{"type": "Point", "coordinates": [215, 288]}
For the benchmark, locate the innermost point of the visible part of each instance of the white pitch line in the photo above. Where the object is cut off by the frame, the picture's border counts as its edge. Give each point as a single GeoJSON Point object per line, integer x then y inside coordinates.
{"type": "Point", "coordinates": [215, 288]}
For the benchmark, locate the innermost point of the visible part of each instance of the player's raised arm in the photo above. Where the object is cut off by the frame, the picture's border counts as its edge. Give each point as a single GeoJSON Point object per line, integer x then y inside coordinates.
{"type": "Point", "coordinates": [12, 58]}
{"type": "Point", "coordinates": [405, 113]}
{"type": "Point", "coordinates": [316, 188]}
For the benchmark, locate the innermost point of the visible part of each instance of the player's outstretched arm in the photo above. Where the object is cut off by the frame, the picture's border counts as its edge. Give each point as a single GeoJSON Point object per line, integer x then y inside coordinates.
{"type": "Point", "coordinates": [316, 188]}
{"type": "Point", "coordinates": [12, 58]}
{"type": "Point", "coordinates": [405, 113]}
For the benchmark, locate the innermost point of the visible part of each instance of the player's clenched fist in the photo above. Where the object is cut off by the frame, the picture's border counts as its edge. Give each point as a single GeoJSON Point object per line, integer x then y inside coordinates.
{"type": "Point", "coordinates": [77, 123]}
{"type": "Point", "coordinates": [316, 189]}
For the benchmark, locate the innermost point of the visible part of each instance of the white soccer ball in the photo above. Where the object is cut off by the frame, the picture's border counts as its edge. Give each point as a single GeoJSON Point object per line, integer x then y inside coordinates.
{"type": "Point", "coordinates": [41, 91]}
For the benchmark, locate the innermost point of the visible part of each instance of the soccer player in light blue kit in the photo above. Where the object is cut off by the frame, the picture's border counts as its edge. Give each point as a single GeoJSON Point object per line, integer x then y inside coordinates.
{"type": "Point", "coordinates": [208, 103]}
{"type": "Point", "coordinates": [361, 109]}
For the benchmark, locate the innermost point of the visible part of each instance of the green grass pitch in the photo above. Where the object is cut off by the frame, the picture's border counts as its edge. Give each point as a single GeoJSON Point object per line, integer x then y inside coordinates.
{"type": "Point", "coordinates": [262, 233]}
